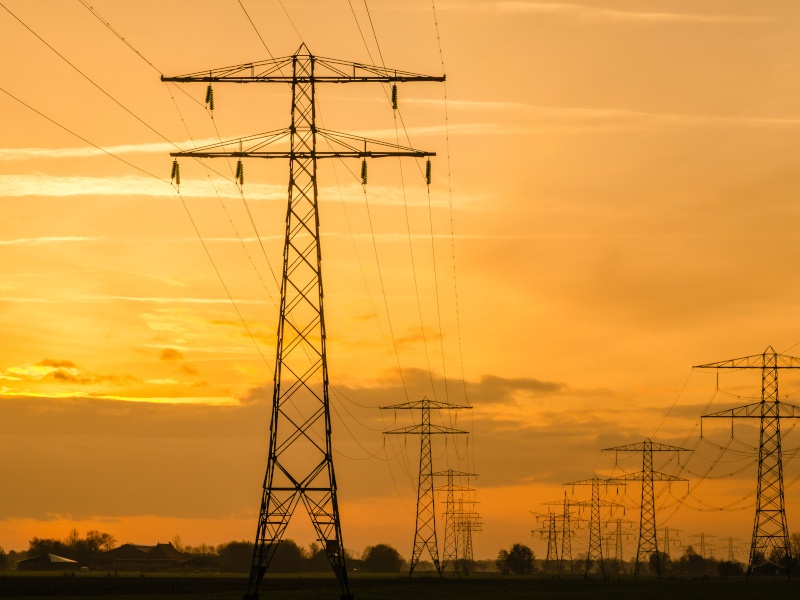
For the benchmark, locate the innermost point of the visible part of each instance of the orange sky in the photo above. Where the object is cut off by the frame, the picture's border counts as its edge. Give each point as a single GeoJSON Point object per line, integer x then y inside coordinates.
{"type": "Point", "coordinates": [624, 204]}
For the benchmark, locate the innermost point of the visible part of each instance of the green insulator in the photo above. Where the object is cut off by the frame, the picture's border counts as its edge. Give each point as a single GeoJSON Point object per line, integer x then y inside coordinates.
{"type": "Point", "coordinates": [364, 171]}
{"type": "Point", "coordinates": [209, 93]}
{"type": "Point", "coordinates": [394, 96]}
{"type": "Point", "coordinates": [174, 168]}
{"type": "Point", "coordinates": [428, 172]}
{"type": "Point", "coordinates": [240, 172]}
{"type": "Point", "coordinates": [177, 173]}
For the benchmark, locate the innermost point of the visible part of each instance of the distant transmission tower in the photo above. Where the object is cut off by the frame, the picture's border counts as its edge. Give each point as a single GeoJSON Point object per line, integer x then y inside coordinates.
{"type": "Point", "coordinates": [425, 533]}
{"type": "Point", "coordinates": [566, 530]}
{"type": "Point", "coordinates": [704, 549]}
{"type": "Point", "coordinates": [466, 523]}
{"type": "Point", "coordinates": [595, 553]}
{"type": "Point", "coordinates": [648, 542]}
{"type": "Point", "coordinates": [770, 542]}
{"type": "Point", "coordinates": [300, 459]}
{"type": "Point", "coordinates": [731, 553]}
{"type": "Point", "coordinates": [450, 554]}
{"type": "Point", "coordinates": [669, 541]}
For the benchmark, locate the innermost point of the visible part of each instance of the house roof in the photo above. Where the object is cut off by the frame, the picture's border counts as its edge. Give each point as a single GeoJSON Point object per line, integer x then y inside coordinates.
{"type": "Point", "coordinates": [48, 558]}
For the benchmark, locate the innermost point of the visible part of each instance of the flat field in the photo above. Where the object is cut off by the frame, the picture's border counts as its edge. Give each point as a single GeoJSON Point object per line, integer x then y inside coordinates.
{"type": "Point", "coordinates": [310, 587]}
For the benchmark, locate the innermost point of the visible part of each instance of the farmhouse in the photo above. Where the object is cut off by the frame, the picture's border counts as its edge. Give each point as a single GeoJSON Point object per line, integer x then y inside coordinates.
{"type": "Point", "coordinates": [47, 562]}
{"type": "Point", "coordinates": [132, 557]}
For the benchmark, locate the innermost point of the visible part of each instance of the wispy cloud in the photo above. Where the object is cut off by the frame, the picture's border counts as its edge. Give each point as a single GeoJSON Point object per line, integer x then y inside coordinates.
{"type": "Point", "coordinates": [598, 13]}
{"type": "Point", "coordinates": [18, 186]}
{"type": "Point", "coordinates": [91, 151]}
{"type": "Point", "coordinates": [48, 240]}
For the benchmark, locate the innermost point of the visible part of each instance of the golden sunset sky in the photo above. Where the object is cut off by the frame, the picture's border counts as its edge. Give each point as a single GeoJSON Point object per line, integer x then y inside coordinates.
{"type": "Point", "coordinates": [623, 195]}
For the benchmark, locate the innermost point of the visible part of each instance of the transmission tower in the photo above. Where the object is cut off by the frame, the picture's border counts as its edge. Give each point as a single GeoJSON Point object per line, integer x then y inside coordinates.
{"type": "Point", "coordinates": [551, 534]}
{"type": "Point", "coordinates": [703, 548]}
{"type": "Point", "coordinates": [619, 534]}
{"type": "Point", "coordinates": [567, 517]}
{"type": "Point", "coordinates": [669, 541]}
{"type": "Point", "coordinates": [450, 554]}
{"type": "Point", "coordinates": [770, 541]}
{"type": "Point", "coordinates": [731, 553]}
{"type": "Point", "coordinates": [648, 542]}
{"type": "Point", "coordinates": [595, 553]}
{"type": "Point", "coordinates": [466, 523]}
{"type": "Point", "coordinates": [425, 533]}
{"type": "Point", "coordinates": [300, 458]}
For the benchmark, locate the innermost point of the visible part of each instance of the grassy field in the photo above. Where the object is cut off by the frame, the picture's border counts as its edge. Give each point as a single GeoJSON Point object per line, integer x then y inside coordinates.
{"type": "Point", "coordinates": [476, 587]}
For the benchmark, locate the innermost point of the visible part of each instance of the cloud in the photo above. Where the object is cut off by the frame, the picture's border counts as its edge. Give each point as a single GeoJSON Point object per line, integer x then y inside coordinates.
{"type": "Point", "coordinates": [59, 371]}
{"type": "Point", "coordinates": [90, 151]}
{"type": "Point", "coordinates": [189, 370]}
{"type": "Point", "coordinates": [170, 354]}
{"type": "Point", "coordinates": [48, 240]}
{"type": "Point", "coordinates": [598, 13]}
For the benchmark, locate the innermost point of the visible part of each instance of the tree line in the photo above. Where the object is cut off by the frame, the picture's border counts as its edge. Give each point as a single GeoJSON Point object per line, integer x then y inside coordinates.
{"type": "Point", "coordinates": [234, 556]}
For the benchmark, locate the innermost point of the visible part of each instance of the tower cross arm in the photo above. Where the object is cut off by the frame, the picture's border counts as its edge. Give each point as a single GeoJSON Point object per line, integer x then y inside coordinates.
{"type": "Point", "coordinates": [263, 145]}
{"type": "Point", "coordinates": [424, 403]}
{"type": "Point", "coordinates": [756, 361]}
{"type": "Point", "coordinates": [279, 70]}
{"type": "Point", "coordinates": [755, 411]}
{"type": "Point", "coordinates": [643, 446]}
{"type": "Point", "coordinates": [590, 481]}
{"type": "Point", "coordinates": [422, 430]}
{"type": "Point", "coordinates": [640, 476]}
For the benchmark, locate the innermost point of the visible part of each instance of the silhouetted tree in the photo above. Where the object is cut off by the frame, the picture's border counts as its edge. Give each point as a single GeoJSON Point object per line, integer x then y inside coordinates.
{"type": "Point", "coordinates": [729, 569]}
{"type": "Point", "coordinates": [289, 558]}
{"type": "Point", "coordinates": [236, 556]}
{"type": "Point", "coordinates": [37, 546]}
{"type": "Point", "coordinates": [519, 560]}
{"type": "Point", "coordinates": [381, 558]}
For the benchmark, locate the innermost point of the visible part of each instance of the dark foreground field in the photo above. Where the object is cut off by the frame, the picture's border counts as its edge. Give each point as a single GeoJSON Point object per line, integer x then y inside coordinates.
{"type": "Point", "coordinates": [216, 587]}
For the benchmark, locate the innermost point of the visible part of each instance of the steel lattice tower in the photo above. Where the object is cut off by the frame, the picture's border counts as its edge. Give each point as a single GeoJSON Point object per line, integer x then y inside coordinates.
{"type": "Point", "coordinates": [300, 459]}
{"type": "Point", "coordinates": [450, 554]}
{"type": "Point", "coordinates": [703, 548]}
{"type": "Point", "coordinates": [595, 553]}
{"type": "Point", "coordinates": [566, 529]}
{"type": "Point", "coordinates": [668, 541]}
{"type": "Point", "coordinates": [648, 540]}
{"type": "Point", "coordinates": [425, 532]}
{"type": "Point", "coordinates": [618, 542]}
{"type": "Point", "coordinates": [770, 541]}
{"type": "Point", "coordinates": [552, 541]}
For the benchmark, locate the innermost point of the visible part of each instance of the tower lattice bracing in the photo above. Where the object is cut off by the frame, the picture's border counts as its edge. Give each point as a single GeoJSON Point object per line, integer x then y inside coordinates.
{"type": "Point", "coordinates": [451, 530]}
{"type": "Point", "coordinates": [299, 458]}
{"type": "Point", "coordinates": [595, 553]}
{"type": "Point", "coordinates": [425, 538]}
{"type": "Point", "coordinates": [566, 536]}
{"type": "Point", "coordinates": [770, 540]}
{"type": "Point", "coordinates": [618, 541]}
{"type": "Point", "coordinates": [648, 539]}
{"type": "Point", "coordinates": [552, 541]}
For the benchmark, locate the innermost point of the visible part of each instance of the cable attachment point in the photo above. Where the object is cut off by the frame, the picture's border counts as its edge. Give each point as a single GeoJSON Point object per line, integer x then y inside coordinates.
{"type": "Point", "coordinates": [240, 172]}
{"type": "Point", "coordinates": [364, 171]}
{"type": "Point", "coordinates": [176, 172]}
{"type": "Point", "coordinates": [394, 96]}
{"type": "Point", "coordinates": [210, 98]}
{"type": "Point", "coordinates": [428, 172]}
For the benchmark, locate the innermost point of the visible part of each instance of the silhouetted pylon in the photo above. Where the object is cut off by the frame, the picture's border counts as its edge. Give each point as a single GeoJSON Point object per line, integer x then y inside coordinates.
{"type": "Point", "coordinates": [300, 458]}
{"type": "Point", "coordinates": [450, 554]}
{"type": "Point", "coordinates": [648, 541]}
{"type": "Point", "coordinates": [595, 553]}
{"type": "Point", "coordinates": [770, 541]}
{"type": "Point", "coordinates": [425, 531]}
